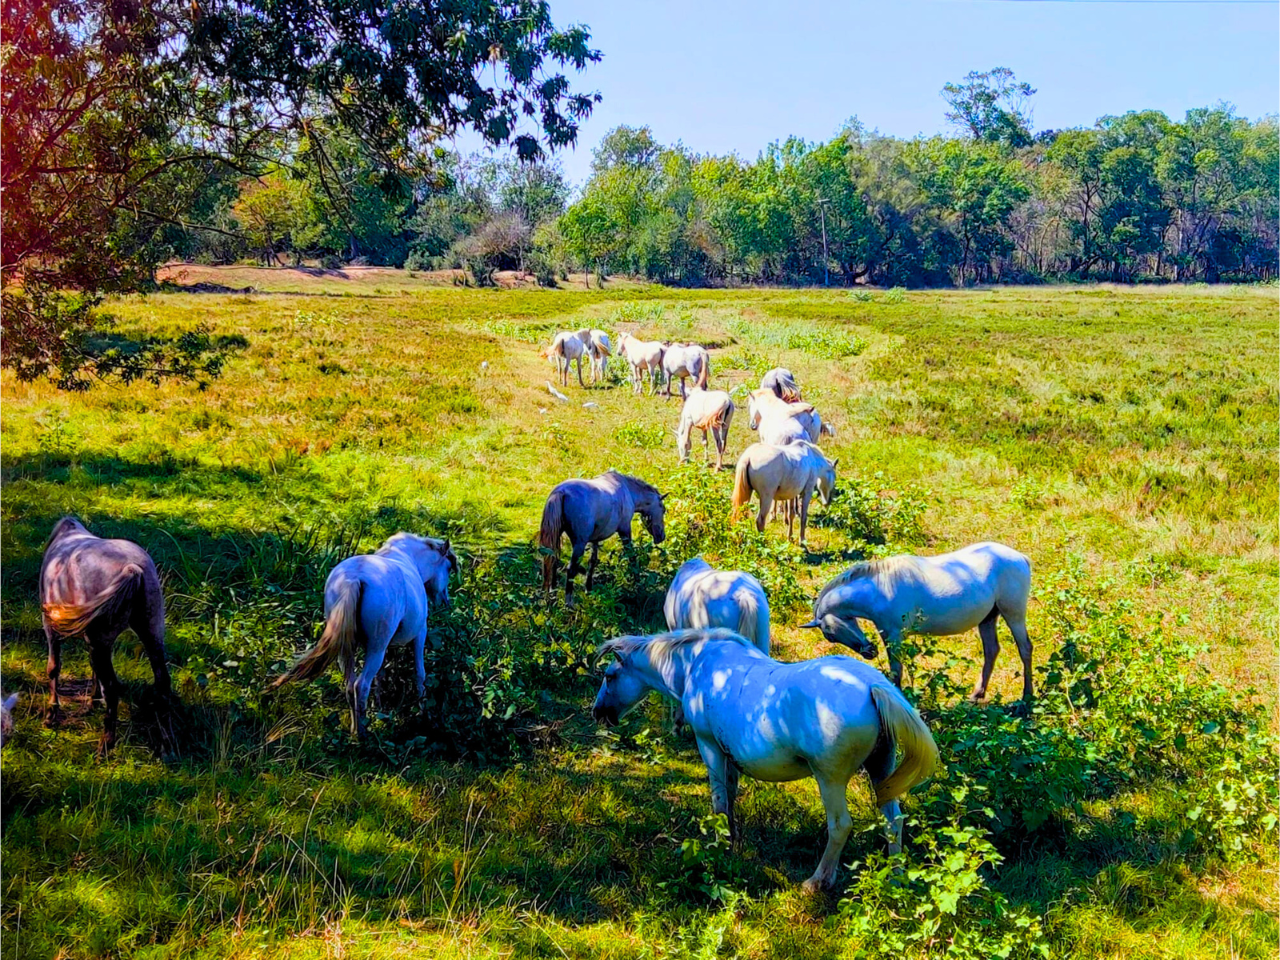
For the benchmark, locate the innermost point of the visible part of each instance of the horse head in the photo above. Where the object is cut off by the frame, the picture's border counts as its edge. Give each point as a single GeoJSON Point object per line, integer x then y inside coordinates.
{"type": "Point", "coordinates": [622, 688]}
{"type": "Point", "coordinates": [654, 518]}
{"type": "Point", "coordinates": [827, 481]}
{"type": "Point", "coordinates": [845, 632]}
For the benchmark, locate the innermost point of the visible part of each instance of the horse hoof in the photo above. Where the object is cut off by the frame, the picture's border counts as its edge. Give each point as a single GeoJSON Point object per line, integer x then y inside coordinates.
{"type": "Point", "coordinates": [53, 717]}
{"type": "Point", "coordinates": [813, 886]}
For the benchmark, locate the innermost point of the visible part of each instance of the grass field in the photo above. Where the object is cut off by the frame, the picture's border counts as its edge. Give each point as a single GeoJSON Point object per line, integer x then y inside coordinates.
{"type": "Point", "coordinates": [1125, 439]}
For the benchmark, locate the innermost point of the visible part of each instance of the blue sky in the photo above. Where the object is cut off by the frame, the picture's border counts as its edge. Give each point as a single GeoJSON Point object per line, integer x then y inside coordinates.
{"type": "Point", "coordinates": [723, 76]}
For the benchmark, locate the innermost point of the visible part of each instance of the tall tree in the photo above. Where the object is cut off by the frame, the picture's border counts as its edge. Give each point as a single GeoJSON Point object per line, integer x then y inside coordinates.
{"type": "Point", "coordinates": [991, 106]}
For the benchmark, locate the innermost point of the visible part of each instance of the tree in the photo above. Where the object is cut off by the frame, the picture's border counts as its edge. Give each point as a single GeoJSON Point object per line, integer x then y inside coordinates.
{"type": "Point", "coordinates": [991, 107]}
{"type": "Point", "coordinates": [111, 111]}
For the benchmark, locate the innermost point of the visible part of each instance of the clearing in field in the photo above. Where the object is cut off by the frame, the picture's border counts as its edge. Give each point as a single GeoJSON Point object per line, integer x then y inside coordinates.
{"type": "Point", "coordinates": [1123, 439]}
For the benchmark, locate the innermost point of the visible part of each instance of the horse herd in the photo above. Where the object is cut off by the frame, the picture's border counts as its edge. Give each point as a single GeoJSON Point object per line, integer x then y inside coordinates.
{"type": "Point", "coordinates": [824, 718]}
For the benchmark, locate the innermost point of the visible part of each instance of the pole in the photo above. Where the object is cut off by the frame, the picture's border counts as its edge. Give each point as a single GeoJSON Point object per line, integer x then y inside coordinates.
{"type": "Point", "coordinates": [826, 262]}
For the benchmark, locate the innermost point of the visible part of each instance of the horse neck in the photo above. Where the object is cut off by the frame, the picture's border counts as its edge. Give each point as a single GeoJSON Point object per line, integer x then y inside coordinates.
{"type": "Point", "coordinates": [668, 677]}
{"type": "Point", "coordinates": [858, 597]}
{"type": "Point", "coordinates": [641, 497]}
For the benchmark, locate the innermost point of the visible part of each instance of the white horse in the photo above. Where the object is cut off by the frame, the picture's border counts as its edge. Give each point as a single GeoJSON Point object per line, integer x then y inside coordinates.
{"type": "Point", "coordinates": [823, 718]}
{"type": "Point", "coordinates": [701, 596]}
{"type": "Point", "coordinates": [783, 473]}
{"type": "Point", "coordinates": [780, 422]}
{"type": "Point", "coordinates": [686, 360]}
{"type": "Point", "coordinates": [939, 596]}
{"type": "Point", "coordinates": [705, 410]}
{"type": "Point", "coordinates": [6, 717]}
{"type": "Point", "coordinates": [379, 599]}
{"type": "Point", "coordinates": [599, 348]}
{"type": "Point", "coordinates": [644, 356]}
{"type": "Point", "coordinates": [782, 384]}
{"type": "Point", "coordinates": [565, 349]}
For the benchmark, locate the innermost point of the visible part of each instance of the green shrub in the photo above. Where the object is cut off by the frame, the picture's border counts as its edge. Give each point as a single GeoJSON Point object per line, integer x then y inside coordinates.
{"type": "Point", "coordinates": [872, 516]}
{"type": "Point", "coordinates": [895, 295]}
{"type": "Point", "coordinates": [824, 341]}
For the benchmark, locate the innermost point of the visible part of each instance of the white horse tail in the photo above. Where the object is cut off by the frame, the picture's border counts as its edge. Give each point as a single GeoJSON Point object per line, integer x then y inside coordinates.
{"type": "Point", "coordinates": [753, 621]}
{"type": "Point", "coordinates": [549, 536]}
{"type": "Point", "coordinates": [741, 484]}
{"type": "Point", "coordinates": [70, 619]}
{"type": "Point", "coordinates": [338, 638]}
{"type": "Point", "coordinates": [904, 726]}
{"type": "Point", "coordinates": [706, 371]}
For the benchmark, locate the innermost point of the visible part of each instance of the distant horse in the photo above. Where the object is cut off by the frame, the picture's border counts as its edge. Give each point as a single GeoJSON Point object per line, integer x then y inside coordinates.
{"type": "Point", "coordinates": [566, 348]}
{"type": "Point", "coordinates": [590, 511]}
{"type": "Point", "coordinates": [376, 600]}
{"type": "Point", "coordinates": [686, 360]}
{"type": "Point", "coordinates": [599, 348]}
{"type": "Point", "coordinates": [705, 410]}
{"type": "Point", "coordinates": [782, 384]}
{"type": "Point", "coordinates": [6, 717]}
{"type": "Point", "coordinates": [783, 473]}
{"type": "Point", "coordinates": [701, 596]}
{"type": "Point", "coordinates": [95, 588]}
{"type": "Point", "coordinates": [780, 422]}
{"type": "Point", "coordinates": [645, 356]}
{"type": "Point", "coordinates": [825, 718]}
{"type": "Point", "coordinates": [939, 596]}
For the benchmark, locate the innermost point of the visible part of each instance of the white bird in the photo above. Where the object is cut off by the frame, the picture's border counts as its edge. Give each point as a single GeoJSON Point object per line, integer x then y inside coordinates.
{"type": "Point", "coordinates": [590, 405]}
{"type": "Point", "coordinates": [556, 393]}
{"type": "Point", "coordinates": [484, 365]}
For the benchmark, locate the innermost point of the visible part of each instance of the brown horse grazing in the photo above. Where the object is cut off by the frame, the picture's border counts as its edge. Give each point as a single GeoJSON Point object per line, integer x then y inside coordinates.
{"type": "Point", "coordinates": [96, 588]}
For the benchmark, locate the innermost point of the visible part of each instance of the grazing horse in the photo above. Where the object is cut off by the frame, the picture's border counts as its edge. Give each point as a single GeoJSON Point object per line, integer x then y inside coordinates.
{"type": "Point", "coordinates": [6, 717]}
{"type": "Point", "coordinates": [376, 600]}
{"type": "Point", "coordinates": [781, 473]}
{"type": "Point", "coordinates": [686, 360]}
{"type": "Point", "coordinates": [95, 588]}
{"type": "Point", "coordinates": [565, 349]}
{"type": "Point", "coordinates": [645, 356]}
{"type": "Point", "coordinates": [825, 718]}
{"type": "Point", "coordinates": [705, 410]}
{"type": "Point", "coordinates": [780, 422]}
{"type": "Point", "coordinates": [940, 596]}
{"type": "Point", "coordinates": [701, 596]}
{"type": "Point", "coordinates": [590, 511]}
{"type": "Point", "coordinates": [599, 348]}
{"type": "Point", "coordinates": [782, 384]}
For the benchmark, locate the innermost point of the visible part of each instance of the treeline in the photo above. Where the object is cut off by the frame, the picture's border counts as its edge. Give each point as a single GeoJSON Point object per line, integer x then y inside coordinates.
{"type": "Point", "coordinates": [1138, 197]}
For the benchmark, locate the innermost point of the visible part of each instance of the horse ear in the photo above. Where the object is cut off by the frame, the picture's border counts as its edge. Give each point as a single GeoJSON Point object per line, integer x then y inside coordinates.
{"type": "Point", "coordinates": [446, 545]}
{"type": "Point", "coordinates": [835, 462]}
{"type": "Point", "coordinates": [811, 625]}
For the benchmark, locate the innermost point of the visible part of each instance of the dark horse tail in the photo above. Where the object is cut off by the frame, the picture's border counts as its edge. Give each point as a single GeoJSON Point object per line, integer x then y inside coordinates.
{"type": "Point", "coordinates": [71, 619]}
{"type": "Point", "coordinates": [549, 537]}
{"type": "Point", "coordinates": [706, 371]}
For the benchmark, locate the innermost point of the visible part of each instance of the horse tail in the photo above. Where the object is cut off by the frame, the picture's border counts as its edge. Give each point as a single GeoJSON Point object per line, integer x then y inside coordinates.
{"type": "Point", "coordinates": [549, 536]}
{"type": "Point", "coordinates": [741, 484]}
{"type": "Point", "coordinates": [70, 619]}
{"type": "Point", "coordinates": [705, 375]}
{"type": "Point", "coordinates": [338, 638]}
{"type": "Point", "coordinates": [903, 725]}
{"type": "Point", "coordinates": [753, 620]}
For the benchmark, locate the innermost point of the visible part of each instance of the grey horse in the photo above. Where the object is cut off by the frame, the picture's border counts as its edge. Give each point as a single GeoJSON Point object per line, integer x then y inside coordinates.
{"type": "Point", "coordinates": [95, 588]}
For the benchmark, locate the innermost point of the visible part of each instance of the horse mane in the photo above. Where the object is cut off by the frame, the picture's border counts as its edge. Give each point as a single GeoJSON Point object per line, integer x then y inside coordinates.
{"type": "Point", "coordinates": [643, 485]}
{"type": "Point", "coordinates": [660, 647]}
{"type": "Point", "coordinates": [862, 570]}
{"type": "Point", "coordinates": [435, 543]}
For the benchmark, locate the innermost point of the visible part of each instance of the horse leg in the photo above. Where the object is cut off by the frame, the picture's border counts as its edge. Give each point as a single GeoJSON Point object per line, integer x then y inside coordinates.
{"type": "Point", "coordinates": [100, 645]}
{"type": "Point", "coordinates": [580, 381]}
{"type": "Point", "coordinates": [878, 766]}
{"type": "Point", "coordinates": [420, 664]}
{"type": "Point", "coordinates": [805, 499]}
{"type": "Point", "coordinates": [892, 642]}
{"type": "Point", "coordinates": [990, 650]}
{"type": "Point", "coordinates": [1018, 627]}
{"type": "Point", "coordinates": [839, 824]}
{"type": "Point", "coordinates": [706, 450]}
{"type": "Point", "coordinates": [721, 436]}
{"type": "Point", "coordinates": [766, 502]}
{"type": "Point", "coordinates": [575, 567]}
{"type": "Point", "coordinates": [148, 623]}
{"type": "Point", "coordinates": [718, 775]}
{"type": "Point", "coordinates": [591, 564]}
{"type": "Point", "coordinates": [55, 671]}
{"type": "Point", "coordinates": [374, 654]}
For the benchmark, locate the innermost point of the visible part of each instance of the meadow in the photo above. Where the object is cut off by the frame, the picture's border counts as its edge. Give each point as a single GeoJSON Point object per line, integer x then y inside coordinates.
{"type": "Point", "coordinates": [1125, 439]}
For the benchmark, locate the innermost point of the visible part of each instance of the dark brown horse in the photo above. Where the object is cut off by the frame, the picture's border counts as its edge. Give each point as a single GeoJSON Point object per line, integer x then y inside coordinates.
{"type": "Point", "coordinates": [95, 588]}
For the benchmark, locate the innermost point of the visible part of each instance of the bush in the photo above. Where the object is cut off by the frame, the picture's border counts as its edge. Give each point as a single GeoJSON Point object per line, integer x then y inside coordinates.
{"type": "Point", "coordinates": [895, 295]}
{"type": "Point", "coordinates": [824, 341]}
{"type": "Point", "coordinates": [872, 516]}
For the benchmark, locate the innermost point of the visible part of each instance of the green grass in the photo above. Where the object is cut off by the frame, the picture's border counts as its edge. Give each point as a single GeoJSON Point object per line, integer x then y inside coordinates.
{"type": "Point", "coordinates": [1135, 428]}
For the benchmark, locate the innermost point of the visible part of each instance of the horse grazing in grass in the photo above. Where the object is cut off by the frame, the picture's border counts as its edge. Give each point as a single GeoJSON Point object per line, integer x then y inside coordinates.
{"type": "Point", "coordinates": [781, 474]}
{"type": "Point", "coordinates": [686, 360]}
{"type": "Point", "coordinates": [95, 588]}
{"type": "Point", "coordinates": [701, 596]}
{"type": "Point", "coordinates": [825, 718]}
{"type": "Point", "coordinates": [599, 349]}
{"type": "Point", "coordinates": [590, 511]}
{"type": "Point", "coordinates": [705, 410]}
{"type": "Point", "coordinates": [377, 600]}
{"type": "Point", "coordinates": [6, 717]}
{"type": "Point", "coordinates": [644, 356]}
{"type": "Point", "coordinates": [566, 348]}
{"type": "Point", "coordinates": [940, 596]}
{"type": "Point", "coordinates": [780, 422]}
{"type": "Point", "coordinates": [782, 384]}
